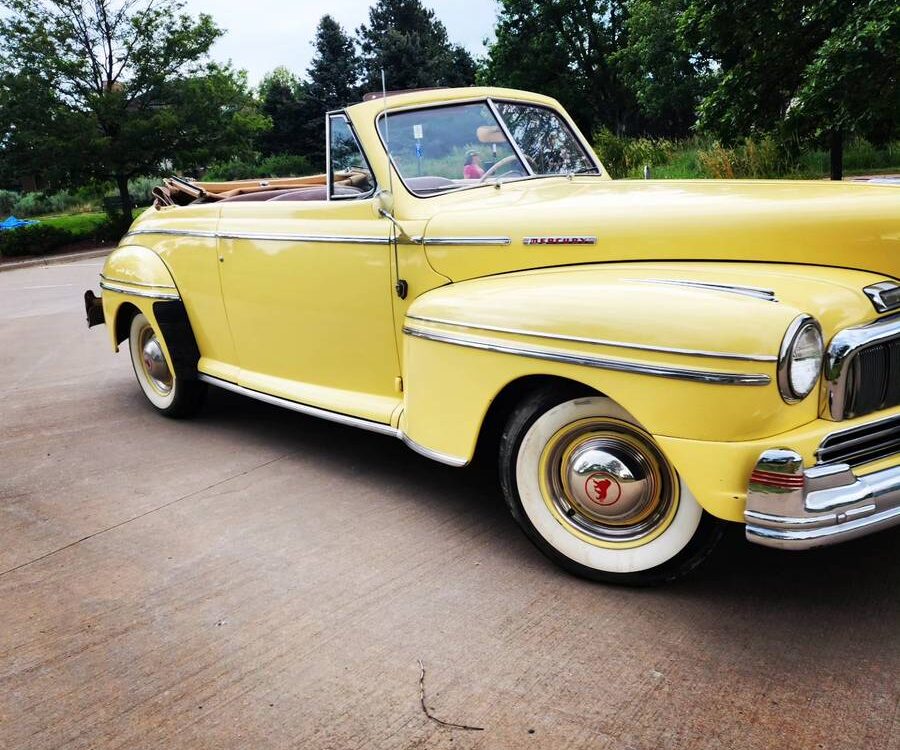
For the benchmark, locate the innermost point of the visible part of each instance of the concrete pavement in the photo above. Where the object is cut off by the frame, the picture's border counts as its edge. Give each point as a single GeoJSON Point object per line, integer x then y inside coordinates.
{"type": "Point", "coordinates": [258, 579]}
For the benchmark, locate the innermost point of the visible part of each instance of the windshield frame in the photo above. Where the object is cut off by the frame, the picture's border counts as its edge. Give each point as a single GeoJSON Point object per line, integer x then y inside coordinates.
{"type": "Point", "coordinates": [514, 145]}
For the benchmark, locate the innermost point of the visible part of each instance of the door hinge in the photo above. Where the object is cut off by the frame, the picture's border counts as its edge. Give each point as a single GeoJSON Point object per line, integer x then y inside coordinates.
{"type": "Point", "coordinates": [402, 288]}
{"type": "Point", "coordinates": [398, 384]}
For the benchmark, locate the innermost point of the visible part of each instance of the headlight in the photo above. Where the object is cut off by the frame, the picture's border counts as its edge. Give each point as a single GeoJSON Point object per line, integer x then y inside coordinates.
{"type": "Point", "coordinates": [800, 359]}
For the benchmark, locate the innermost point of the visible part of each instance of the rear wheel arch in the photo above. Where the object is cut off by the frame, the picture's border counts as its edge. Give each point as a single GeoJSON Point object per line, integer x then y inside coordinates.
{"type": "Point", "coordinates": [124, 315]}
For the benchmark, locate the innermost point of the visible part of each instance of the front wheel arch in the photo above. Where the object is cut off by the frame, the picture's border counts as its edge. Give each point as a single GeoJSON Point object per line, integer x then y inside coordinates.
{"type": "Point", "coordinates": [487, 447]}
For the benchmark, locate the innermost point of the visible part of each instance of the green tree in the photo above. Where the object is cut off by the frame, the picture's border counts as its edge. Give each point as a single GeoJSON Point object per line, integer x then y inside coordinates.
{"type": "Point", "coordinates": [404, 38]}
{"type": "Point", "coordinates": [659, 69]}
{"type": "Point", "coordinates": [332, 83]}
{"type": "Point", "coordinates": [567, 49]}
{"type": "Point", "coordinates": [279, 95]}
{"type": "Point", "coordinates": [803, 70]}
{"type": "Point", "coordinates": [109, 90]}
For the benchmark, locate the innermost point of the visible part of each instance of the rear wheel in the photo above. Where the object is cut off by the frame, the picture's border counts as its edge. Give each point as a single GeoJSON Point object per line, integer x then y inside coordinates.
{"type": "Point", "coordinates": [172, 396]}
{"type": "Point", "coordinates": [593, 491]}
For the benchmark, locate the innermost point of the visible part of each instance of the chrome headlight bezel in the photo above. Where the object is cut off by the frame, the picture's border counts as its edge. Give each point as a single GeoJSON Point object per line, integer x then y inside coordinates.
{"type": "Point", "coordinates": [800, 327]}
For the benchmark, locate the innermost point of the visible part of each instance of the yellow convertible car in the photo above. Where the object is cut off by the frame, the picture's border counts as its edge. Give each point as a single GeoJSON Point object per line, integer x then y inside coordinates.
{"type": "Point", "coordinates": [646, 360]}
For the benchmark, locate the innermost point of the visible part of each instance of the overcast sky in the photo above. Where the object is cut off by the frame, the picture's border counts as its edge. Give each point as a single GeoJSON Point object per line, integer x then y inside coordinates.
{"type": "Point", "coordinates": [263, 34]}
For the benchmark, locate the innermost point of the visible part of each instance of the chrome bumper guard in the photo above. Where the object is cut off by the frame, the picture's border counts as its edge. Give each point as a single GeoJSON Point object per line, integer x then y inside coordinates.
{"type": "Point", "coordinates": [790, 507]}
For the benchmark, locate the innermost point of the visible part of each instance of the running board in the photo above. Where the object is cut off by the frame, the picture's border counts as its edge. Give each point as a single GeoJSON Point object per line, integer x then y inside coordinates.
{"type": "Point", "coordinates": [333, 416]}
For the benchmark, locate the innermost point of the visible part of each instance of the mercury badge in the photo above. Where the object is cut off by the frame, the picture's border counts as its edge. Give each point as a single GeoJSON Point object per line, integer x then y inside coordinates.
{"type": "Point", "coordinates": [571, 240]}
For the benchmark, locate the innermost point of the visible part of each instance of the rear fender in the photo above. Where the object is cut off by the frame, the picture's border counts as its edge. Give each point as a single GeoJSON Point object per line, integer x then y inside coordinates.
{"type": "Point", "coordinates": [134, 278]}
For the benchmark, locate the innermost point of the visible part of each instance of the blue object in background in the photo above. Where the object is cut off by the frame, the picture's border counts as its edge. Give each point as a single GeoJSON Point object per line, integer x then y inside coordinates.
{"type": "Point", "coordinates": [13, 223]}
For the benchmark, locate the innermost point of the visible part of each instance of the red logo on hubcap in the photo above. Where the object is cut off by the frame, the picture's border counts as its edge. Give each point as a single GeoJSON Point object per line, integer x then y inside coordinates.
{"type": "Point", "coordinates": [603, 489]}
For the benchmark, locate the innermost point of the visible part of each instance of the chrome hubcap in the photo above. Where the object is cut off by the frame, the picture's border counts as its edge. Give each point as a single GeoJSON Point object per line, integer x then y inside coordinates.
{"type": "Point", "coordinates": [154, 361]}
{"type": "Point", "coordinates": [608, 480]}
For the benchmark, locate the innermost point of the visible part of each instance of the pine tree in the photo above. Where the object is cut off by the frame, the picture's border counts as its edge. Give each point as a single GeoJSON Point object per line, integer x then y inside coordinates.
{"type": "Point", "coordinates": [405, 39]}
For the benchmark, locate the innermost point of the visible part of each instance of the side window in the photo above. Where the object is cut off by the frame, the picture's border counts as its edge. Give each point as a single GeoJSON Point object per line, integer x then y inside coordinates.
{"type": "Point", "coordinates": [349, 174]}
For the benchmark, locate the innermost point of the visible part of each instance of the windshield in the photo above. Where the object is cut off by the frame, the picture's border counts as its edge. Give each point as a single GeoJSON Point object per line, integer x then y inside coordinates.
{"type": "Point", "coordinates": [464, 145]}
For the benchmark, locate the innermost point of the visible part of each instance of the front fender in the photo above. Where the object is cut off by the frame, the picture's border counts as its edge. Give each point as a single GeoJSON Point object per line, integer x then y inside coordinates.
{"type": "Point", "coordinates": [688, 361]}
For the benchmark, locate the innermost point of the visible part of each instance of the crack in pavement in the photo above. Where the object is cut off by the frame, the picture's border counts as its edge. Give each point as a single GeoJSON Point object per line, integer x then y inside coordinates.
{"type": "Point", "coordinates": [142, 515]}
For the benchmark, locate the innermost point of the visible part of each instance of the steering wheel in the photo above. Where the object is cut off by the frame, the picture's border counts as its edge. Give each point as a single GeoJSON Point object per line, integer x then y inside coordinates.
{"type": "Point", "coordinates": [502, 163]}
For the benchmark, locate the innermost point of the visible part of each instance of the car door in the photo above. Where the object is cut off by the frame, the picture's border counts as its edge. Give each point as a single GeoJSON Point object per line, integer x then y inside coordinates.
{"type": "Point", "coordinates": [306, 280]}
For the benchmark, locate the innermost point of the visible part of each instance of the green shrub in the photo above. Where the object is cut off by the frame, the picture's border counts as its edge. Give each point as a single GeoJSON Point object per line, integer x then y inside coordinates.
{"type": "Point", "coordinates": [754, 159]}
{"type": "Point", "coordinates": [37, 239]}
{"type": "Point", "coordinates": [627, 157]}
{"type": "Point", "coordinates": [281, 165]}
{"type": "Point", "coordinates": [285, 165]}
{"type": "Point", "coordinates": [8, 199]}
{"type": "Point", "coordinates": [51, 234]}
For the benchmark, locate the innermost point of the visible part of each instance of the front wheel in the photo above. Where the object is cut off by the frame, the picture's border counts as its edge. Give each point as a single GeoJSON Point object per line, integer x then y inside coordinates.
{"type": "Point", "coordinates": [593, 491]}
{"type": "Point", "coordinates": [172, 396]}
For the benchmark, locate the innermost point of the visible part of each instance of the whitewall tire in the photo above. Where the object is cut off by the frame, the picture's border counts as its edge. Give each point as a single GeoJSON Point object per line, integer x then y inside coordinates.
{"type": "Point", "coordinates": [169, 394]}
{"type": "Point", "coordinates": [594, 492]}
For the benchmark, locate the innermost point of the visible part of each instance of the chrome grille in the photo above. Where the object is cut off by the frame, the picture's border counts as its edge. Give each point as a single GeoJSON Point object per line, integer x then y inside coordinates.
{"type": "Point", "coordinates": [859, 445]}
{"type": "Point", "coordinates": [874, 379]}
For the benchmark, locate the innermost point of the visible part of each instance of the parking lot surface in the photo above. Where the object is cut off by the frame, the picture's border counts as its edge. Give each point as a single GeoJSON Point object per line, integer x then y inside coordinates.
{"type": "Point", "coordinates": [257, 579]}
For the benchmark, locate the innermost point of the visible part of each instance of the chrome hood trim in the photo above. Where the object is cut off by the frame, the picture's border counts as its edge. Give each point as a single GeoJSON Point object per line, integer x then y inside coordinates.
{"type": "Point", "coordinates": [598, 342]}
{"type": "Point", "coordinates": [586, 360]}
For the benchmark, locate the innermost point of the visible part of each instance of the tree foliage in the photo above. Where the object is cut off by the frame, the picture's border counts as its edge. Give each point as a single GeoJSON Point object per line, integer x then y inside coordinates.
{"type": "Point", "coordinates": [659, 68]}
{"type": "Point", "coordinates": [109, 89]}
{"type": "Point", "coordinates": [404, 38]}
{"type": "Point", "coordinates": [821, 69]}
{"type": "Point", "coordinates": [619, 64]}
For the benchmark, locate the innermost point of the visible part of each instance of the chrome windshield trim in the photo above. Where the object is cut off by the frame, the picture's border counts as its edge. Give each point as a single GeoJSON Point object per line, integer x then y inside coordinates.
{"type": "Point", "coordinates": [136, 283]}
{"type": "Point", "coordinates": [269, 237]}
{"type": "Point", "coordinates": [388, 111]}
{"type": "Point", "coordinates": [551, 355]}
{"type": "Point", "coordinates": [517, 150]}
{"type": "Point", "coordinates": [840, 353]}
{"type": "Point", "coordinates": [467, 241]}
{"type": "Point", "coordinates": [747, 291]}
{"type": "Point", "coordinates": [137, 292]}
{"type": "Point", "coordinates": [599, 342]}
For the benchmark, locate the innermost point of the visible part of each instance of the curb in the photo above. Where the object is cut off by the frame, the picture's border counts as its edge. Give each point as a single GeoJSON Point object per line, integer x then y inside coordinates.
{"type": "Point", "coordinates": [52, 260]}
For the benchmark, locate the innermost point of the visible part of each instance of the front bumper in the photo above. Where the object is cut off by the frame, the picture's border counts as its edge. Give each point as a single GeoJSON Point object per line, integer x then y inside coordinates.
{"type": "Point", "coordinates": [790, 507]}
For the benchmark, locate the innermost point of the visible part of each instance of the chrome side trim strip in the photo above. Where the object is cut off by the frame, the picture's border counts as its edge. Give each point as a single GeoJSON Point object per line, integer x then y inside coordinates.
{"type": "Point", "coordinates": [171, 233]}
{"type": "Point", "coordinates": [136, 283]}
{"type": "Point", "coordinates": [314, 411]}
{"type": "Point", "coordinates": [287, 237]}
{"type": "Point", "coordinates": [137, 292]}
{"type": "Point", "coordinates": [332, 416]}
{"type": "Point", "coordinates": [461, 241]}
{"type": "Point", "coordinates": [274, 237]}
{"type": "Point", "coordinates": [679, 373]}
{"type": "Point", "coordinates": [600, 342]}
{"type": "Point", "coordinates": [432, 454]}
{"type": "Point", "coordinates": [747, 291]}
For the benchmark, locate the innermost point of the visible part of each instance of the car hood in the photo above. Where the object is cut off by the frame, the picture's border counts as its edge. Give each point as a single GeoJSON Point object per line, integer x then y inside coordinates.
{"type": "Point", "coordinates": [844, 225]}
